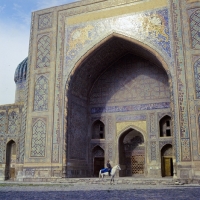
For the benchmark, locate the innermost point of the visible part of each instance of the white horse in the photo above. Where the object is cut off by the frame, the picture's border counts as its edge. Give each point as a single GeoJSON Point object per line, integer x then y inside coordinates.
{"type": "Point", "coordinates": [112, 173]}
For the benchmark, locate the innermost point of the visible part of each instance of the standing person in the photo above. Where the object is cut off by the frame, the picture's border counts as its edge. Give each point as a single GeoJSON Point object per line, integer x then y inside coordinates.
{"type": "Point", "coordinates": [109, 167]}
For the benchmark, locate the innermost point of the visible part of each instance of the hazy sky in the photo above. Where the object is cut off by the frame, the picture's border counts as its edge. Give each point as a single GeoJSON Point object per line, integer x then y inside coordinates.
{"type": "Point", "coordinates": [15, 16]}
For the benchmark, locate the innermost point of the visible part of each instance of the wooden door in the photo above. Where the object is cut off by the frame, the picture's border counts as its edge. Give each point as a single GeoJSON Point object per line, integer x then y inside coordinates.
{"type": "Point", "coordinates": [167, 166]}
{"type": "Point", "coordinates": [12, 173]}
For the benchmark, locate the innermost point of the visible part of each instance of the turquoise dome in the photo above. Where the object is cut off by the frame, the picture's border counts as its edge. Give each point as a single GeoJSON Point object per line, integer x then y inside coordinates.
{"type": "Point", "coordinates": [21, 71]}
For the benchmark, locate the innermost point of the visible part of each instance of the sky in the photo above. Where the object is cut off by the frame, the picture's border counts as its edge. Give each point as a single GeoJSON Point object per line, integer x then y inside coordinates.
{"type": "Point", "coordinates": [15, 17]}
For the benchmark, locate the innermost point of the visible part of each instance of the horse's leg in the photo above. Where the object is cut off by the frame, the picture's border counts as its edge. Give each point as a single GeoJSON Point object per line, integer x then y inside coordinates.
{"type": "Point", "coordinates": [111, 180]}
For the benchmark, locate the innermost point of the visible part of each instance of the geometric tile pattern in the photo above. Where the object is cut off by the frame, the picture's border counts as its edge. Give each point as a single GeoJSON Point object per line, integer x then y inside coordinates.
{"type": "Point", "coordinates": [1, 151]}
{"type": "Point", "coordinates": [137, 164]}
{"type": "Point", "coordinates": [122, 118]}
{"type": "Point", "coordinates": [38, 139]}
{"type": "Point", "coordinates": [152, 124]}
{"type": "Point", "coordinates": [43, 52]}
{"type": "Point", "coordinates": [110, 134]}
{"type": "Point", "coordinates": [163, 143]}
{"type": "Point", "coordinates": [110, 151]}
{"type": "Point", "coordinates": [181, 125]}
{"type": "Point", "coordinates": [138, 107]}
{"type": "Point", "coordinates": [185, 147]}
{"type": "Point", "coordinates": [45, 21]}
{"type": "Point", "coordinates": [195, 29]}
{"type": "Point", "coordinates": [133, 82]}
{"type": "Point", "coordinates": [41, 94]}
{"type": "Point", "coordinates": [13, 123]}
{"type": "Point", "coordinates": [197, 77]}
{"type": "Point", "coordinates": [2, 123]}
{"type": "Point", "coordinates": [153, 150]}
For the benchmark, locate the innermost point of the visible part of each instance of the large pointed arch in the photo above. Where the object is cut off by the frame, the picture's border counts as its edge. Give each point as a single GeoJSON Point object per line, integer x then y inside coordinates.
{"type": "Point", "coordinates": [87, 69]}
{"type": "Point", "coordinates": [159, 58]}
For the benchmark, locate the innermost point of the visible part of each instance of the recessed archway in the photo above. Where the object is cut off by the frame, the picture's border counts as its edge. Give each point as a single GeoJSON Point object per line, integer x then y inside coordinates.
{"type": "Point", "coordinates": [117, 76]}
{"type": "Point", "coordinates": [131, 153]}
{"type": "Point", "coordinates": [165, 126]}
{"type": "Point", "coordinates": [166, 160]}
{"type": "Point", "coordinates": [98, 130]}
{"type": "Point", "coordinates": [10, 160]}
{"type": "Point", "coordinates": [98, 160]}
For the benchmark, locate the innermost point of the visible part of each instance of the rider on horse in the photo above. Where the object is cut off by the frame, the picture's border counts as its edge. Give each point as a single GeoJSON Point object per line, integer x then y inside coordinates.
{"type": "Point", "coordinates": [109, 167]}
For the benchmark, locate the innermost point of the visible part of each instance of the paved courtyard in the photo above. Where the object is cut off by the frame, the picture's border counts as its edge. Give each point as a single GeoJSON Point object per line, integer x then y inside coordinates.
{"type": "Point", "coordinates": [97, 191]}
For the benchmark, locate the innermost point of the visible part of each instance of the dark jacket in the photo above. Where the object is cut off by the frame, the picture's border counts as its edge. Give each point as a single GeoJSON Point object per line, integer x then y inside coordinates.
{"type": "Point", "coordinates": [109, 166]}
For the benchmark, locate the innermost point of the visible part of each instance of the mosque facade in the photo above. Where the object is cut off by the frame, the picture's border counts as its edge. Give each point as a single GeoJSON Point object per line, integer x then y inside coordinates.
{"type": "Point", "coordinates": [114, 80]}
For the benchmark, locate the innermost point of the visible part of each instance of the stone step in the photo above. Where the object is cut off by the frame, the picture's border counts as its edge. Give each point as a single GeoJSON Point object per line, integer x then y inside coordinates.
{"type": "Point", "coordinates": [117, 181]}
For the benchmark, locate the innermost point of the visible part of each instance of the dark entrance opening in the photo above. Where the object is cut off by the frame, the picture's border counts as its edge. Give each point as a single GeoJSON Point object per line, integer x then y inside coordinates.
{"type": "Point", "coordinates": [98, 160]}
{"type": "Point", "coordinates": [165, 126]}
{"type": "Point", "coordinates": [10, 160]}
{"type": "Point", "coordinates": [98, 164]}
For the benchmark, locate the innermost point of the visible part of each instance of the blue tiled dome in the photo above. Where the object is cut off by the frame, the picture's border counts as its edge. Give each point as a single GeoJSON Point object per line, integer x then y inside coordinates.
{"type": "Point", "coordinates": [20, 72]}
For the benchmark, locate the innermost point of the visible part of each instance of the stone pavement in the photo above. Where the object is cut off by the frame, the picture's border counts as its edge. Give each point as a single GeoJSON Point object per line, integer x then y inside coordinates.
{"type": "Point", "coordinates": [101, 190]}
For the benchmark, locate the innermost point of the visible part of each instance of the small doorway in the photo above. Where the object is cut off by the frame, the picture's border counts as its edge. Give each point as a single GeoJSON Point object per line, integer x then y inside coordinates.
{"type": "Point", "coordinates": [98, 160]}
{"type": "Point", "coordinates": [167, 161]}
{"type": "Point", "coordinates": [167, 166]}
{"type": "Point", "coordinates": [98, 164]}
{"type": "Point", "coordinates": [10, 160]}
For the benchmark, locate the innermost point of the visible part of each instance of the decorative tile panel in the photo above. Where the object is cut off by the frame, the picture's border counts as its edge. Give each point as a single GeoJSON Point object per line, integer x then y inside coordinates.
{"type": "Point", "coordinates": [150, 26]}
{"type": "Point", "coordinates": [195, 29]}
{"type": "Point", "coordinates": [41, 94]}
{"type": "Point", "coordinates": [113, 109]}
{"type": "Point", "coordinates": [55, 153]}
{"type": "Point", "coordinates": [153, 129]}
{"type": "Point", "coordinates": [161, 115]}
{"type": "Point", "coordinates": [153, 150]}
{"type": "Point", "coordinates": [43, 52]}
{"type": "Point", "coordinates": [182, 131]}
{"type": "Point", "coordinates": [137, 81]}
{"type": "Point", "coordinates": [2, 123]}
{"type": "Point", "coordinates": [110, 151]}
{"type": "Point", "coordinates": [13, 122]}
{"type": "Point", "coordinates": [77, 133]}
{"type": "Point", "coordinates": [45, 21]}
{"type": "Point", "coordinates": [185, 147]}
{"type": "Point", "coordinates": [197, 78]}
{"type": "Point", "coordinates": [163, 143]}
{"type": "Point", "coordinates": [122, 118]}
{"type": "Point", "coordinates": [1, 151]}
{"type": "Point", "coordinates": [38, 143]}
{"type": "Point", "coordinates": [110, 134]}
